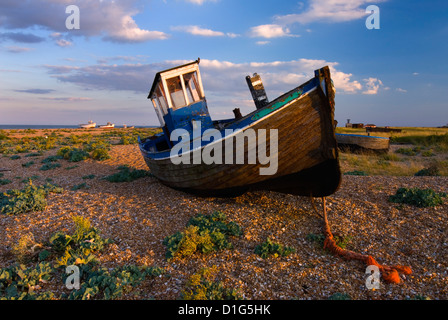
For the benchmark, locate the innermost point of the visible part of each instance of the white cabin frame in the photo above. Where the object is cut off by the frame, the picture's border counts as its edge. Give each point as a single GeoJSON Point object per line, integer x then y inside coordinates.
{"type": "Point", "coordinates": [161, 84]}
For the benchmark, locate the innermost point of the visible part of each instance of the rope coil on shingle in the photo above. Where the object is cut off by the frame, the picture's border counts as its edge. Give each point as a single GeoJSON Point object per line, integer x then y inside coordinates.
{"type": "Point", "coordinates": [389, 273]}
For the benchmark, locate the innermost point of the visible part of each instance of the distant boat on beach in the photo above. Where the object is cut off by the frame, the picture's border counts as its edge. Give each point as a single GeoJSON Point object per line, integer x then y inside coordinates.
{"type": "Point", "coordinates": [357, 142]}
{"type": "Point", "coordinates": [298, 131]}
{"type": "Point", "coordinates": [107, 126]}
{"type": "Point", "coordinates": [89, 124]}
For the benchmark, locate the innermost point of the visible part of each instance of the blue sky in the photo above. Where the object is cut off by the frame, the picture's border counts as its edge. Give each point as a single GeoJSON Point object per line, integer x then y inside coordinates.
{"type": "Point", "coordinates": [396, 75]}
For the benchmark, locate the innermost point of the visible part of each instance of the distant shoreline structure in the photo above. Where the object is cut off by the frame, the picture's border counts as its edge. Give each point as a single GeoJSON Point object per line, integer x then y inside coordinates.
{"type": "Point", "coordinates": [50, 126]}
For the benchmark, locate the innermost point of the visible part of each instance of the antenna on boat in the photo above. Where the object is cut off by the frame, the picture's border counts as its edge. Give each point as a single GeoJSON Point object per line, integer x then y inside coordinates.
{"type": "Point", "coordinates": [257, 90]}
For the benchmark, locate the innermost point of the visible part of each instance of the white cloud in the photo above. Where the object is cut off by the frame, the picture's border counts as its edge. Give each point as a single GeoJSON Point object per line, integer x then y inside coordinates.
{"type": "Point", "coordinates": [328, 11]}
{"type": "Point", "coordinates": [224, 81]}
{"type": "Point", "coordinates": [68, 99]}
{"type": "Point", "coordinates": [342, 81]}
{"type": "Point", "coordinates": [232, 35]}
{"type": "Point", "coordinates": [57, 37]}
{"type": "Point", "coordinates": [373, 85]}
{"type": "Point", "coordinates": [269, 31]}
{"type": "Point", "coordinates": [198, 31]}
{"type": "Point", "coordinates": [199, 2]}
{"type": "Point", "coordinates": [15, 49]}
{"type": "Point", "coordinates": [106, 60]}
{"type": "Point", "coordinates": [401, 90]}
{"type": "Point", "coordinates": [127, 30]}
{"type": "Point", "coordinates": [63, 43]}
{"type": "Point", "coordinates": [278, 76]}
{"type": "Point", "coordinates": [112, 20]}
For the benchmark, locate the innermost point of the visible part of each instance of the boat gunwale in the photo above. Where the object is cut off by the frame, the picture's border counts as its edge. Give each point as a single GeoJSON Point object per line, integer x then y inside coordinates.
{"type": "Point", "coordinates": [362, 136]}
{"type": "Point", "coordinates": [236, 130]}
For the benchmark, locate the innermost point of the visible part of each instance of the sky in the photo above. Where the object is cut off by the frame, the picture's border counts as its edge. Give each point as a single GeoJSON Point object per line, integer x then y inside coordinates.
{"type": "Point", "coordinates": [54, 72]}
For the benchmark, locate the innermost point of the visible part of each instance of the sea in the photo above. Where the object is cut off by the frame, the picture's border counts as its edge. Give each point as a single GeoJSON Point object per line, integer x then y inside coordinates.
{"type": "Point", "coordinates": [50, 126]}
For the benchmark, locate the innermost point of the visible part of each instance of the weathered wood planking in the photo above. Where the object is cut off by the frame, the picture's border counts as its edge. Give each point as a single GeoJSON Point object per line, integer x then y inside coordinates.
{"type": "Point", "coordinates": [354, 142]}
{"type": "Point", "coordinates": [307, 152]}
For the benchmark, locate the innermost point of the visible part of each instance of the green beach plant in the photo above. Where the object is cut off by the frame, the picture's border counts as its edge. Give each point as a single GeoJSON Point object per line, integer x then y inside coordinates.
{"type": "Point", "coordinates": [73, 154]}
{"type": "Point", "coordinates": [49, 166]}
{"type": "Point", "coordinates": [80, 186]}
{"type": "Point", "coordinates": [51, 159]}
{"type": "Point", "coordinates": [341, 240]}
{"type": "Point", "coordinates": [100, 154]}
{"type": "Point", "coordinates": [270, 248]}
{"type": "Point", "coordinates": [31, 198]}
{"type": "Point", "coordinates": [3, 135]}
{"type": "Point", "coordinates": [28, 164]}
{"type": "Point", "coordinates": [19, 282]}
{"type": "Point", "coordinates": [79, 247]}
{"type": "Point", "coordinates": [126, 174]}
{"type": "Point", "coordinates": [105, 284]}
{"type": "Point", "coordinates": [340, 296]}
{"type": "Point", "coordinates": [4, 182]}
{"type": "Point", "coordinates": [23, 282]}
{"type": "Point", "coordinates": [356, 173]}
{"type": "Point", "coordinates": [202, 286]}
{"type": "Point", "coordinates": [432, 170]}
{"type": "Point", "coordinates": [421, 198]}
{"type": "Point", "coordinates": [26, 248]}
{"type": "Point", "coordinates": [204, 233]}
{"type": "Point", "coordinates": [33, 154]}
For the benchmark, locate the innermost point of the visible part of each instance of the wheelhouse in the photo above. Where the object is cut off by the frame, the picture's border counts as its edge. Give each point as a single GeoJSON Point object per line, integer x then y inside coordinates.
{"type": "Point", "coordinates": [178, 98]}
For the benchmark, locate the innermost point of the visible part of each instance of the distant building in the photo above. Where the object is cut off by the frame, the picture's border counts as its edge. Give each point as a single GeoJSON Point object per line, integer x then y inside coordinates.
{"type": "Point", "coordinates": [370, 125]}
{"type": "Point", "coordinates": [353, 125]}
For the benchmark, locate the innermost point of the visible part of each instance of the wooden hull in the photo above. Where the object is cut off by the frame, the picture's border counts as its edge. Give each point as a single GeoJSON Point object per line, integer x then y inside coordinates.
{"type": "Point", "coordinates": [354, 142]}
{"type": "Point", "coordinates": [380, 129]}
{"type": "Point", "coordinates": [307, 151]}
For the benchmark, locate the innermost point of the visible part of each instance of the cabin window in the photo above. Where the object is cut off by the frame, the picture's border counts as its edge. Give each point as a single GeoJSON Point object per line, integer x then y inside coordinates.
{"type": "Point", "coordinates": [191, 86]}
{"type": "Point", "coordinates": [161, 99]}
{"type": "Point", "coordinates": [158, 109]}
{"type": "Point", "coordinates": [176, 93]}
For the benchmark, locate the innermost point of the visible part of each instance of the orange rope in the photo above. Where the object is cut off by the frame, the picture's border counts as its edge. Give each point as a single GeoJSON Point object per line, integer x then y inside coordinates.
{"type": "Point", "coordinates": [389, 274]}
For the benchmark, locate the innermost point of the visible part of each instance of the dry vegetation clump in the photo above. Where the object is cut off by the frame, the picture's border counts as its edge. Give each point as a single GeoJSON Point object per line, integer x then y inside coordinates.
{"type": "Point", "coordinates": [414, 151]}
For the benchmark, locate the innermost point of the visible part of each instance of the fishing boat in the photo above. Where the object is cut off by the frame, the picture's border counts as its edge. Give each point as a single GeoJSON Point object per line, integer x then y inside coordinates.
{"type": "Point", "coordinates": [362, 143]}
{"type": "Point", "coordinates": [88, 125]}
{"type": "Point", "coordinates": [296, 130]}
{"type": "Point", "coordinates": [107, 126]}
